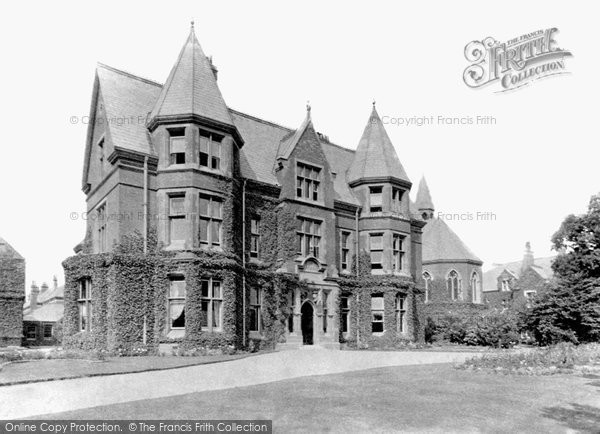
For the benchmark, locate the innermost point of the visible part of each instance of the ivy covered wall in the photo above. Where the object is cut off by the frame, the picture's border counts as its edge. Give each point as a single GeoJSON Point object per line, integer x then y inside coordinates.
{"type": "Point", "coordinates": [12, 297]}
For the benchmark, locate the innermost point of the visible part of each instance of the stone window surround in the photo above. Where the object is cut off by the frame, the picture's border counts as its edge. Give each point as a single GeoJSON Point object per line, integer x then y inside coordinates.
{"type": "Point", "coordinates": [211, 299]}
{"type": "Point", "coordinates": [311, 165]}
{"type": "Point", "coordinates": [175, 277]}
{"type": "Point", "coordinates": [428, 281]}
{"type": "Point", "coordinates": [456, 292]}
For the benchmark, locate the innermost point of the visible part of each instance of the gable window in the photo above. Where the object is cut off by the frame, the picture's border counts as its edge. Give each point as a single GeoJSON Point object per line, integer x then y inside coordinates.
{"type": "Point", "coordinates": [427, 279]}
{"type": "Point", "coordinates": [210, 150]}
{"type": "Point", "coordinates": [475, 287]}
{"type": "Point", "coordinates": [212, 302]}
{"type": "Point", "coordinates": [177, 219]}
{"type": "Point", "coordinates": [308, 181]}
{"type": "Point", "coordinates": [255, 309]}
{"type": "Point", "coordinates": [345, 313]}
{"type": "Point", "coordinates": [505, 285]}
{"type": "Point", "coordinates": [211, 220]}
{"type": "Point", "coordinates": [454, 285]}
{"type": "Point", "coordinates": [400, 313]}
{"type": "Point", "coordinates": [309, 237]}
{"type": "Point", "coordinates": [48, 331]}
{"type": "Point", "coordinates": [376, 251]}
{"type": "Point", "coordinates": [397, 199]}
{"type": "Point", "coordinates": [377, 313]}
{"type": "Point", "coordinates": [84, 303]}
{"type": "Point", "coordinates": [177, 292]}
{"type": "Point", "coordinates": [177, 146]}
{"type": "Point", "coordinates": [254, 237]}
{"type": "Point", "coordinates": [102, 156]}
{"type": "Point", "coordinates": [529, 296]}
{"type": "Point", "coordinates": [375, 199]}
{"type": "Point", "coordinates": [345, 250]}
{"type": "Point", "coordinates": [101, 215]}
{"type": "Point", "coordinates": [397, 253]}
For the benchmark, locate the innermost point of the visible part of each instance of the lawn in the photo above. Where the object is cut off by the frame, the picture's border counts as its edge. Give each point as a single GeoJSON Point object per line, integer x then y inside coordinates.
{"type": "Point", "coordinates": [60, 369]}
{"type": "Point", "coordinates": [430, 398]}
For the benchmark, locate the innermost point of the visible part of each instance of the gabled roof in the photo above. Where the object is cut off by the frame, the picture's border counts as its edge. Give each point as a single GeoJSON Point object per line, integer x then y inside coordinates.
{"type": "Point", "coordinates": [263, 141]}
{"type": "Point", "coordinates": [375, 156]}
{"type": "Point", "coordinates": [191, 88]}
{"type": "Point", "coordinates": [423, 196]}
{"type": "Point", "coordinates": [7, 251]}
{"type": "Point", "coordinates": [440, 243]}
{"type": "Point", "coordinates": [51, 312]}
{"type": "Point", "coordinates": [542, 266]}
{"type": "Point", "coordinates": [288, 143]}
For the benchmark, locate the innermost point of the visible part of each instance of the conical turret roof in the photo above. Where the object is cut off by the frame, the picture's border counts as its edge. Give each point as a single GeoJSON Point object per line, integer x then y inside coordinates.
{"type": "Point", "coordinates": [375, 156]}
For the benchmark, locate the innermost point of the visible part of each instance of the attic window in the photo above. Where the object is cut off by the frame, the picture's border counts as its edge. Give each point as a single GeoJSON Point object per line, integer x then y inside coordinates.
{"type": "Point", "coordinates": [210, 150]}
{"type": "Point", "coordinates": [177, 146]}
{"type": "Point", "coordinates": [102, 156]}
{"type": "Point", "coordinates": [308, 180]}
{"type": "Point", "coordinates": [375, 199]}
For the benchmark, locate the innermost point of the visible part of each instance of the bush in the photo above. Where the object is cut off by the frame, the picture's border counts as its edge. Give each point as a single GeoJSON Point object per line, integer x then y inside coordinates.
{"type": "Point", "coordinates": [492, 328]}
{"type": "Point", "coordinates": [564, 357]}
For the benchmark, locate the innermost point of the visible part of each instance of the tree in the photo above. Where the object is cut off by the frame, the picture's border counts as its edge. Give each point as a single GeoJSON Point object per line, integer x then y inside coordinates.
{"type": "Point", "coordinates": [570, 308]}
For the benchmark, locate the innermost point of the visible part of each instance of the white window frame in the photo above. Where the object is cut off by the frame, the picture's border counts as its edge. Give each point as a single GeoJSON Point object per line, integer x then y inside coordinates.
{"type": "Point", "coordinates": [213, 159]}
{"type": "Point", "coordinates": [254, 237]}
{"type": "Point", "coordinates": [401, 313]}
{"type": "Point", "coordinates": [256, 307]}
{"type": "Point", "coordinates": [211, 220]}
{"type": "Point", "coordinates": [398, 253]}
{"type": "Point", "coordinates": [84, 302]}
{"type": "Point", "coordinates": [475, 287]}
{"type": "Point", "coordinates": [427, 281]}
{"type": "Point", "coordinates": [176, 215]}
{"type": "Point", "coordinates": [344, 250]}
{"type": "Point", "coordinates": [379, 265]}
{"type": "Point", "coordinates": [179, 300]}
{"type": "Point", "coordinates": [456, 293]}
{"type": "Point", "coordinates": [309, 240]}
{"type": "Point", "coordinates": [377, 311]}
{"type": "Point", "coordinates": [308, 187]}
{"type": "Point", "coordinates": [210, 299]}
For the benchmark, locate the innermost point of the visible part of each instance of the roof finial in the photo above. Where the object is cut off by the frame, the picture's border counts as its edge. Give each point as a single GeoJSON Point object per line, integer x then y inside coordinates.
{"type": "Point", "coordinates": [373, 103]}
{"type": "Point", "coordinates": [192, 25]}
{"type": "Point", "coordinates": [308, 108]}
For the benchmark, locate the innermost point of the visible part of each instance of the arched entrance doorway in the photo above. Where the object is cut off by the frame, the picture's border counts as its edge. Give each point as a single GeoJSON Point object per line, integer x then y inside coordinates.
{"type": "Point", "coordinates": [307, 323]}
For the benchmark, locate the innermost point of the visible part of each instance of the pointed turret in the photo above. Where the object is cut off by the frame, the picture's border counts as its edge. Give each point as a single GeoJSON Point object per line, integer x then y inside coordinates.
{"type": "Point", "coordinates": [424, 204]}
{"type": "Point", "coordinates": [375, 157]}
{"type": "Point", "coordinates": [191, 90]}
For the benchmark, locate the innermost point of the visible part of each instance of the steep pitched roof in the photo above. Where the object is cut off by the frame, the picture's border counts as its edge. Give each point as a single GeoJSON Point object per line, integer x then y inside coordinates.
{"type": "Point", "coordinates": [51, 295]}
{"type": "Point", "coordinates": [263, 141]}
{"type": "Point", "coordinates": [127, 101]}
{"type": "Point", "coordinates": [543, 266]}
{"type": "Point", "coordinates": [191, 88]}
{"type": "Point", "coordinates": [288, 143]}
{"type": "Point", "coordinates": [424, 196]}
{"type": "Point", "coordinates": [375, 156]}
{"type": "Point", "coordinates": [440, 243]}
{"type": "Point", "coordinates": [7, 251]}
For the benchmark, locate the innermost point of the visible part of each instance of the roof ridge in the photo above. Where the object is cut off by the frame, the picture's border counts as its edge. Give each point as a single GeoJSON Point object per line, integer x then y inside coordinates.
{"type": "Point", "coordinates": [129, 74]}
{"type": "Point", "coordinates": [263, 121]}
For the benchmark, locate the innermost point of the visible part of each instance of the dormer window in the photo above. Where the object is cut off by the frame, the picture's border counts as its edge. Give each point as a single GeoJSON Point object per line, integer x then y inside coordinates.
{"type": "Point", "coordinates": [375, 199]}
{"type": "Point", "coordinates": [177, 146]}
{"type": "Point", "coordinates": [308, 181]}
{"type": "Point", "coordinates": [397, 199]}
{"type": "Point", "coordinates": [505, 285]}
{"type": "Point", "coordinates": [210, 150]}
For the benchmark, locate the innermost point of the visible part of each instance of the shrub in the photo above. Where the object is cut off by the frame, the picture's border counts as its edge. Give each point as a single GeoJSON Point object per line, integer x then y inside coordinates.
{"type": "Point", "coordinates": [492, 328]}
{"type": "Point", "coordinates": [563, 357]}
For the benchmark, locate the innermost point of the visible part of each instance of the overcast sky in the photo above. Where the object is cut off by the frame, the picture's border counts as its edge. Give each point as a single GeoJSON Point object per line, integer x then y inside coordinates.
{"type": "Point", "coordinates": [537, 164]}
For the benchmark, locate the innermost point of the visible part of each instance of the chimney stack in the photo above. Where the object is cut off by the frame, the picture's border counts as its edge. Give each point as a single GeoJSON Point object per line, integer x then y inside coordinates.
{"type": "Point", "coordinates": [527, 258]}
{"type": "Point", "coordinates": [35, 292]}
{"type": "Point", "coordinates": [55, 282]}
{"type": "Point", "coordinates": [44, 287]}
